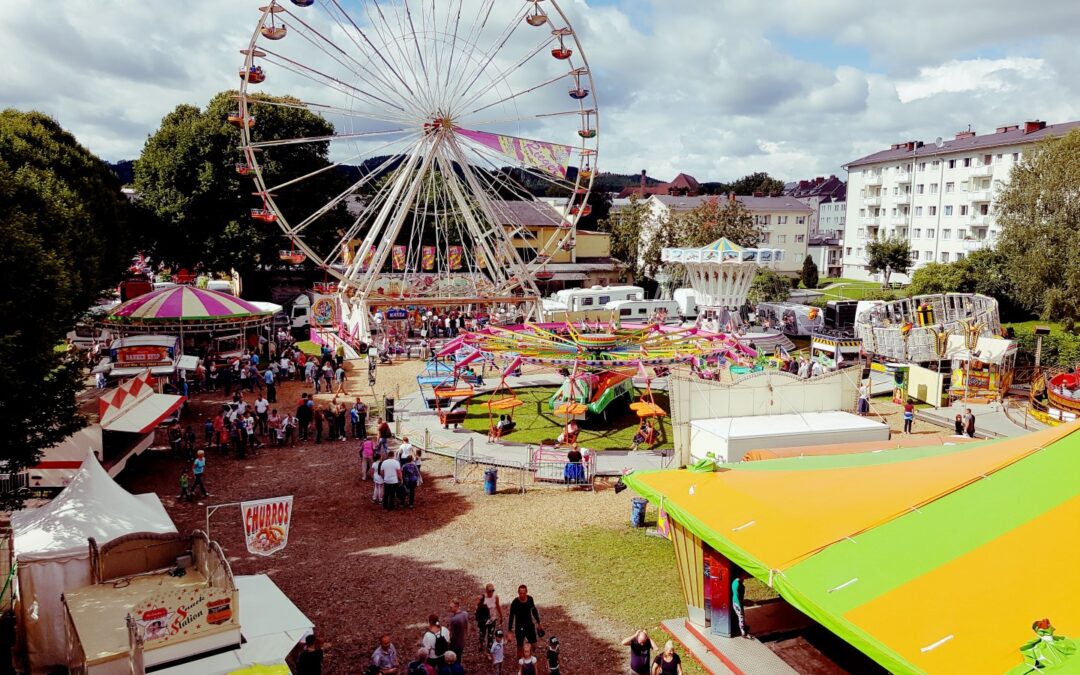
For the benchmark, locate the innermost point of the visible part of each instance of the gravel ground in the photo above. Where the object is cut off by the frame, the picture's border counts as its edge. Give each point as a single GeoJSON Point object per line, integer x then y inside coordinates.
{"type": "Point", "coordinates": [358, 571]}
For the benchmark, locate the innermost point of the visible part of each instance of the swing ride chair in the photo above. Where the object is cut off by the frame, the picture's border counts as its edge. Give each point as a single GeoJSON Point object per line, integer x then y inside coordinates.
{"type": "Point", "coordinates": [438, 129]}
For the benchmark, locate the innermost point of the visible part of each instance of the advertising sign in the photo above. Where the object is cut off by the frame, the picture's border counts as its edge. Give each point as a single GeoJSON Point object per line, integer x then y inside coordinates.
{"type": "Point", "coordinates": [266, 524]}
{"type": "Point", "coordinates": [182, 613]}
{"type": "Point", "coordinates": [143, 355]}
{"type": "Point", "coordinates": [550, 157]}
{"type": "Point", "coordinates": [396, 314]}
{"type": "Point", "coordinates": [399, 254]}
{"type": "Point", "coordinates": [428, 258]}
{"type": "Point", "coordinates": [455, 256]}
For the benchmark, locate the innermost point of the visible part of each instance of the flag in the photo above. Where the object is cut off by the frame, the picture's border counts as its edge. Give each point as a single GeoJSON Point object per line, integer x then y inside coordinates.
{"type": "Point", "coordinates": [399, 257]}
{"type": "Point", "coordinates": [366, 262]}
{"type": "Point", "coordinates": [455, 255]}
{"type": "Point", "coordinates": [429, 258]}
{"type": "Point", "coordinates": [550, 157]}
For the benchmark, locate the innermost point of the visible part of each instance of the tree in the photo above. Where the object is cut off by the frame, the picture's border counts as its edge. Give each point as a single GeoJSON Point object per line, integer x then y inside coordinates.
{"type": "Point", "coordinates": [809, 273]}
{"type": "Point", "coordinates": [1039, 214]}
{"type": "Point", "coordinates": [938, 278]}
{"type": "Point", "coordinates": [757, 182]}
{"type": "Point", "coordinates": [626, 226]}
{"type": "Point", "coordinates": [65, 227]}
{"type": "Point", "coordinates": [186, 177]}
{"type": "Point", "coordinates": [887, 256]}
{"type": "Point", "coordinates": [768, 286]}
{"type": "Point", "coordinates": [714, 219]}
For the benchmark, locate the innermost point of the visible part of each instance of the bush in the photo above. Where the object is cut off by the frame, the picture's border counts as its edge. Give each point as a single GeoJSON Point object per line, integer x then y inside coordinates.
{"type": "Point", "coordinates": [1058, 349]}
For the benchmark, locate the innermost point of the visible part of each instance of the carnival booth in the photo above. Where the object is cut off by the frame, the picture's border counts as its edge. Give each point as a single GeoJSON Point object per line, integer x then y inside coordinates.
{"type": "Point", "coordinates": [729, 439]}
{"type": "Point", "coordinates": [50, 549]}
{"type": "Point", "coordinates": [983, 370]}
{"type": "Point", "coordinates": [834, 351]}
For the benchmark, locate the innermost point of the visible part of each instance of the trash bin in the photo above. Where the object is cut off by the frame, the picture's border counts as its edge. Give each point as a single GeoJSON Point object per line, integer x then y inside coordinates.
{"type": "Point", "coordinates": [388, 408]}
{"type": "Point", "coordinates": [637, 511]}
{"type": "Point", "coordinates": [491, 478]}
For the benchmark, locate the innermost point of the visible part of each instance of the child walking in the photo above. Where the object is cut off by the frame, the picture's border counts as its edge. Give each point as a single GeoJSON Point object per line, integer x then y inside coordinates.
{"type": "Point", "coordinates": [376, 474]}
{"type": "Point", "coordinates": [497, 653]}
{"type": "Point", "coordinates": [185, 493]}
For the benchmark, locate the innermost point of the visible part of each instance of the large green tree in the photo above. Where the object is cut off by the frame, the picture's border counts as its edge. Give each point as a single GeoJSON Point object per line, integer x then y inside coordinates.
{"type": "Point", "coordinates": [626, 225]}
{"type": "Point", "coordinates": [886, 256]}
{"type": "Point", "coordinates": [982, 271]}
{"type": "Point", "coordinates": [714, 219]}
{"type": "Point", "coordinates": [66, 232]}
{"type": "Point", "coordinates": [809, 272]}
{"type": "Point", "coordinates": [186, 176]}
{"type": "Point", "coordinates": [1039, 214]}
{"type": "Point", "coordinates": [768, 286]}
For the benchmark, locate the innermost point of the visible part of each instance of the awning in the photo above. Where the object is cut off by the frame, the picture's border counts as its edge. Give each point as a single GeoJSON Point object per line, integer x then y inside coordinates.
{"type": "Point", "coordinates": [569, 276]}
{"type": "Point", "coordinates": [188, 362]}
{"type": "Point", "coordinates": [134, 407]}
{"type": "Point", "coordinates": [160, 371]}
{"type": "Point", "coordinates": [987, 349]}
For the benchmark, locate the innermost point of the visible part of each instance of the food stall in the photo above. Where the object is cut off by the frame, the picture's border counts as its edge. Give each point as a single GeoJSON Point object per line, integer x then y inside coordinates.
{"type": "Point", "coordinates": [982, 370]}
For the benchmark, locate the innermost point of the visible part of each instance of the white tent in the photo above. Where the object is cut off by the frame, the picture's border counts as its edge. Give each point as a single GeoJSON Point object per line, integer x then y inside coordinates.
{"type": "Point", "coordinates": [53, 553]}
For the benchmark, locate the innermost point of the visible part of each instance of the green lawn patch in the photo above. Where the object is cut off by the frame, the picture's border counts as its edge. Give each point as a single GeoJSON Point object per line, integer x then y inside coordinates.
{"type": "Point", "coordinates": [537, 424]}
{"type": "Point", "coordinates": [309, 348]}
{"type": "Point", "coordinates": [629, 577]}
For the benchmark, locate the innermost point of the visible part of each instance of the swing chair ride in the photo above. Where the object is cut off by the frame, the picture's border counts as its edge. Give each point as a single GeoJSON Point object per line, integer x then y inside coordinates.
{"type": "Point", "coordinates": [436, 111]}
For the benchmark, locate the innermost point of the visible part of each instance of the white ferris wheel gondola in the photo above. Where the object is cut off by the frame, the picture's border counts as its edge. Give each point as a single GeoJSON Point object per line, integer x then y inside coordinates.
{"type": "Point", "coordinates": [438, 112]}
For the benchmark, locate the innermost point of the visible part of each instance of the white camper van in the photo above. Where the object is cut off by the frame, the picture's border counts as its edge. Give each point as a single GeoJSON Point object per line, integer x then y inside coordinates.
{"type": "Point", "coordinates": [643, 310]}
{"type": "Point", "coordinates": [686, 299]}
{"type": "Point", "coordinates": [597, 297]}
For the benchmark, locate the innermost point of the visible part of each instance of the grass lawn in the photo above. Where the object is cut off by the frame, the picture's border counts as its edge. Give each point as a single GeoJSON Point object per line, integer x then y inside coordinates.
{"type": "Point", "coordinates": [823, 282]}
{"type": "Point", "coordinates": [537, 424]}
{"type": "Point", "coordinates": [309, 348]}
{"type": "Point", "coordinates": [629, 577]}
{"type": "Point", "coordinates": [1027, 327]}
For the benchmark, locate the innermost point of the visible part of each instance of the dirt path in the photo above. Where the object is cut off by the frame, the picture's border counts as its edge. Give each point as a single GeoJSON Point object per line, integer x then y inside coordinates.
{"type": "Point", "coordinates": [358, 571]}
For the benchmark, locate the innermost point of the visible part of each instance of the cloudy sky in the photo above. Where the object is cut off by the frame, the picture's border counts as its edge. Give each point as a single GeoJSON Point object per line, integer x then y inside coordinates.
{"type": "Point", "coordinates": [714, 88]}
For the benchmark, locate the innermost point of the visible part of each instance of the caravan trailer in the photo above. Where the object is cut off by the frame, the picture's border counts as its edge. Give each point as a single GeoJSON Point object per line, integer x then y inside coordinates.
{"type": "Point", "coordinates": [643, 310]}
{"type": "Point", "coordinates": [597, 297]}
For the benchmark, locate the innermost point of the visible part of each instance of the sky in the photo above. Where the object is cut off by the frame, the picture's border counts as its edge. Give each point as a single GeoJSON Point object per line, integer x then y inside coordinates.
{"type": "Point", "coordinates": [713, 88]}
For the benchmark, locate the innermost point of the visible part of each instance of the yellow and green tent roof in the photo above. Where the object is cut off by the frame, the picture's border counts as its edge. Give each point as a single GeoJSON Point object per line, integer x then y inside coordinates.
{"type": "Point", "coordinates": [931, 560]}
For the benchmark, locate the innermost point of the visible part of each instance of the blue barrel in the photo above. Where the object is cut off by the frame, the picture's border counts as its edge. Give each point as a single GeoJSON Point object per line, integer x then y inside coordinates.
{"type": "Point", "coordinates": [491, 477]}
{"type": "Point", "coordinates": [637, 511]}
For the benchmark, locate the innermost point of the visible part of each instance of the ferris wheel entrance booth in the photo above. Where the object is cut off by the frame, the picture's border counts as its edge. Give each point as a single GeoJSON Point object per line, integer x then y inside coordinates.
{"type": "Point", "coordinates": [721, 274]}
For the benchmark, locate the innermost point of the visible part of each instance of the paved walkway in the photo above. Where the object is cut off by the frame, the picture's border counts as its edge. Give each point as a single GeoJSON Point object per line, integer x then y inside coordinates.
{"type": "Point", "coordinates": [423, 427]}
{"type": "Point", "coordinates": [990, 419]}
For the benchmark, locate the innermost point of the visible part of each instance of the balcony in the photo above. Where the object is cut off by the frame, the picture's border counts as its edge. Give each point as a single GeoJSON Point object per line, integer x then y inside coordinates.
{"type": "Point", "coordinates": [971, 245]}
{"type": "Point", "coordinates": [978, 196]}
{"type": "Point", "coordinates": [871, 221]}
{"type": "Point", "coordinates": [872, 200]}
{"type": "Point", "coordinates": [903, 199]}
{"type": "Point", "coordinates": [982, 171]}
{"type": "Point", "coordinates": [903, 177]}
{"type": "Point", "coordinates": [979, 220]}
{"type": "Point", "coordinates": [872, 179]}
{"type": "Point", "coordinates": [898, 221]}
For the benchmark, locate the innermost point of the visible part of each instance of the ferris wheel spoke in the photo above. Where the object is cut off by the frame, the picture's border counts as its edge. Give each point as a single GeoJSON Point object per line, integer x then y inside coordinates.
{"type": "Point", "coordinates": [475, 31]}
{"type": "Point", "coordinates": [374, 49]}
{"type": "Point", "coordinates": [323, 43]}
{"type": "Point", "coordinates": [374, 152]}
{"type": "Point", "coordinates": [518, 118]}
{"type": "Point", "coordinates": [504, 76]}
{"type": "Point", "coordinates": [326, 78]}
{"type": "Point", "coordinates": [523, 92]}
{"type": "Point", "coordinates": [324, 108]}
{"type": "Point", "coordinates": [328, 138]}
{"type": "Point", "coordinates": [385, 32]}
{"type": "Point", "coordinates": [471, 76]}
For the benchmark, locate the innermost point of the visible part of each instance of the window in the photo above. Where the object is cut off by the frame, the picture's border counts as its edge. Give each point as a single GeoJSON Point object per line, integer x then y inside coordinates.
{"type": "Point", "coordinates": [967, 162]}
{"type": "Point", "coordinates": [762, 220]}
{"type": "Point", "coordinates": [963, 210]}
{"type": "Point", "coordinates": [952, 163]}
{"type": "Point", "coordinates": [642, 310]}
{"type": "Point", "coordinates": [933, 188]}
{"type": "Point", "coordinates": [858, 251]}
{"type": "Point", "coordinates": [781, 239]}
{"type": "Point", "coordinates": [781, 220]}
{"type": "Point", "coordinates": [935, 164]}
{"type": "Point", "coordinates": [1016, 156]}
{"type": "Point", "coordinates": [894, 211]}
{"type": "Point", "coordinates": [624, 312]}
{"type": "Point", "coordinates": [922, 166]}
{"type": "Point", "coordinates": [765, 238]}
{"type": "Point", "coordinates": [586, 301]}
{"type": "Point", "coordinates": [948, 210]}
{"type": "Point", "coordinates": [950, 187]}
{"type": "Point", "coordinates": [604, 299]}
{"type": "Point", "coordinates": [931, 210]}
{"type": "Point", "coordinates": [848, 250]}
{"type": "Point", "coordinates": [988, 160]}
{"type": "Point", "coordinates": [998, 160]}
{"type": "Point", "coordinates": [895, 190]}
{"type": "Point", "coordinates": [946, 233]}
{"type": "Point", "coordinates": [918, 210]}
{"type": "Point", "coordinates": [961, 233]}
{"type": "Point", "coordinates": [944, 256]}
{"type": "Point", "coordinates": [928, 255]}
{"type": "Point", "coordinates": [959, 256]}
{"type": "Point", "coordinates": [800, 220]}
{"type": "Point", "coordinates": [930, 233]}
{"type": "Point", "coordinates": [862, 213]}
{"type": "Point", "coordinates": [800, 238]}
{"type": "Point", "coordinates": [920, 188]}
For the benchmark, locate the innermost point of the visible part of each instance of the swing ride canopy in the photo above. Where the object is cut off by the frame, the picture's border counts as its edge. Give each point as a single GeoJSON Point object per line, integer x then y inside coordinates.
{"type": "Point", "coordinates": [926, 559]}
{"type": "Point", "coordinates": [563, 344]}
{"type": "Point", "coordinates": [190, 307]}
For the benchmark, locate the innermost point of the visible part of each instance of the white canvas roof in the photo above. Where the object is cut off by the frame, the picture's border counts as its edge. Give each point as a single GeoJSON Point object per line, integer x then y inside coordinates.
{"type": "Point", "coordinates": [134, 407]}
{"type": "Point", "coordinates": [92, 505]}
{"type": "Point", "coordinates": [761, 426]}
{"type": "Point", "coordinates": [989, 349]}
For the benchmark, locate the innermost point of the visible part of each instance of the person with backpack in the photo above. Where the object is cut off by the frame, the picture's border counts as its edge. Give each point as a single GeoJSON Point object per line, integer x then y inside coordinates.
{"type": "Point", "coordinates": [420, 665]}
{"type": "Point", "coordinates": [411, 478]}
{"type": "Point", "coordinates": [488, 616]}
{"type": "Point", "coordinates": [377, 476]}
{"type": "Point", "coordinates": [437, 641]}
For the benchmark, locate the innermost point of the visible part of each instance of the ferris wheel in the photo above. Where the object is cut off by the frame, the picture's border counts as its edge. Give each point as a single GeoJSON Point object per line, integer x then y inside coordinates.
{"type": "Point", "coordinates": [449, 118]}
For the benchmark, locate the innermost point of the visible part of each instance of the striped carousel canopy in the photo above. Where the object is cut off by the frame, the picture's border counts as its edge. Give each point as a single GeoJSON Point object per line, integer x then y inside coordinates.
{"type": "Point", "coordinates": [722, 244]}
{"type": "Point", "coordinates": [185, 303]}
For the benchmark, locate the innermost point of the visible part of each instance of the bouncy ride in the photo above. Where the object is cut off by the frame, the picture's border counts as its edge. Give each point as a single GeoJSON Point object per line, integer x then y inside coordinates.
{"type": "Point", "coordinates": [436, 112]}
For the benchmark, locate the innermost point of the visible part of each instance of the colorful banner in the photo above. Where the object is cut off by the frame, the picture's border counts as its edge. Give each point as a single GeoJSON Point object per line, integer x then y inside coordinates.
{"type": "Point", "coordinates": [399, 258]}
{"type": "Point", "coordinates": [456, 254]}
{"type": "Point", "coordinates": [550, 157]}
{"type": "Point", "coordinates": [182, 613]}
{"type": "Point", "coordinates": [428, 258]}
{"type": "Point", "coordinates": [266, 524]}
{"type": "Point", "coordinates": [324, 311]}
{"type": "Point", "coordinates": [143, 355]}
{"type": "Point", "coordinates": [367, 258]}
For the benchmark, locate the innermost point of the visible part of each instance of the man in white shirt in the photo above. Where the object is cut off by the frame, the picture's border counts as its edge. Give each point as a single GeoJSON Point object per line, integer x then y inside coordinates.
{"type": "Point", "coordinates": [391, 474]}
{"type": "Point", "coordinates": [405, 449]}
{"type": "Point", "coordinates": [262, 413]}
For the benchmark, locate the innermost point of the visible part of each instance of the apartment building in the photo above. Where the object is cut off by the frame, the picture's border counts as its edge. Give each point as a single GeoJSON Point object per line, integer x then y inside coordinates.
{"type": "Point", "coordinates": [817, 193]}
{"type": "Point", "coordinates": [786, 222]}
{"type": "Point", "coordinates": [938, 196]}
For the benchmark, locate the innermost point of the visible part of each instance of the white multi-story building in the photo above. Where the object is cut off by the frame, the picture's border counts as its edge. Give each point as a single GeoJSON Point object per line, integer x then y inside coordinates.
{"type": "Point", "coordinates": [832, 215]}
{"type": "Point", "coordinates": [939, 197]}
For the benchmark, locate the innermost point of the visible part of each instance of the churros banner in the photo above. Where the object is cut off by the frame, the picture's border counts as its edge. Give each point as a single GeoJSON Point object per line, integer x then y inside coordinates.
{"type": "Point", "coordinates": [550, 157]}
{"type": "Point", "coordinates": [266, 524]}
{"type": "Point", "coordinates": [399, 257]}
{"type": "Point", "coordinates": [428, 258]}
{"type": "Point", "coordinates": [455, 255]}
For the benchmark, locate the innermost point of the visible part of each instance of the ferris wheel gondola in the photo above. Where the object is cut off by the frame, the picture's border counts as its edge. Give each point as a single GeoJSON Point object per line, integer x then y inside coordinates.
{"type": "Point", "coordinates": [441, 112]}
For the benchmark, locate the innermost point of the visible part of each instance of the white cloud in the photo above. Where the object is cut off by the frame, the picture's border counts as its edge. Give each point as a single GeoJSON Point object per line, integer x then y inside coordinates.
{"type": "Point", "coordinates": [713, 89]}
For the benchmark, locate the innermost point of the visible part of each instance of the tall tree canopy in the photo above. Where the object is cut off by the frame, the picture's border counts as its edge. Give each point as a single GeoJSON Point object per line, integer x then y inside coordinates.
{"type": "Point", "coordinates": [186, 176]}
{"type": "Point", "coordinates": [714, 219]}
{"type": "Point", "coordinates": [626, 226]}
{"type": "Point", "coordinates": [888, 256]}
{"type": "Point", "coordinates": [1039, 214]}
{"type": "Point", "coordinates": [66, 233]}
